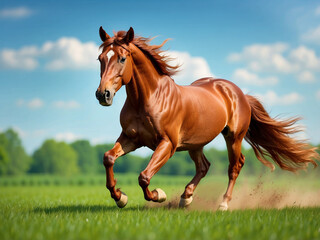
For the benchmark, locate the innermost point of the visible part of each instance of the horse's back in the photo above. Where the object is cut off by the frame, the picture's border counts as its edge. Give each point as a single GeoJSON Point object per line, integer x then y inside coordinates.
{"type": "Point", "coordinates": [206, 110]}
{"type": "Point", "coordinates": [236, 103]}
{"type": "Point", "coordinates": [213, 104]}
{"type": "Point", "coordinates": [217, 84]}
{"type": "Point", "coordinates": [229, 92]}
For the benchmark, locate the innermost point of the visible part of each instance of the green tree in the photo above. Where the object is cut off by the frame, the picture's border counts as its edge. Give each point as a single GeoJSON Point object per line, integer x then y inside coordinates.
{"type": "Point", "coordinates": [218, 159]}
{"type": "Point", "coordinates": [4, 160]}
{"type": "Point", "coordinates": [130, 163]}
{"type": "Point", "coordinates": [14, 158]}
{"type": "Point", "coordinates": [252, 165]}
{"type": "Point", "coordinates": [179, 164]}
{"type": "Point", "coordinates": [87, 156]}
{"type": "Point", "coordinates": [55, 158]}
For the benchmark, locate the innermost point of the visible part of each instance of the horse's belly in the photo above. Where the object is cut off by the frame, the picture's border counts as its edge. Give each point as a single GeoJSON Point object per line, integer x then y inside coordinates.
{"type": "Point", "coordinates": [203, 129]}
{"type": "Point", "coordinates": [199, 137]}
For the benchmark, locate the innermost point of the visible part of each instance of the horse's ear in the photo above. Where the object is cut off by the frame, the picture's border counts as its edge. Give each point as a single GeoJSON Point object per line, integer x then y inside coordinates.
{"type": "Point", "coordinates": [129, 36]}
{"type": "Point", "coordinates": [103, 35]}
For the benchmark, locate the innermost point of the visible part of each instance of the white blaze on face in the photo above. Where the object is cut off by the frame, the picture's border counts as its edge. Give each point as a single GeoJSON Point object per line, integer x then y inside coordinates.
{"type": "Point", "coordinates": [110, 54]}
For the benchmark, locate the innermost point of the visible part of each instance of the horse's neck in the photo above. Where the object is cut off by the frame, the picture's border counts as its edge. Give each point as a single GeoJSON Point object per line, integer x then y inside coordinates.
{"type": "Point", "coordinates": [145, 81]}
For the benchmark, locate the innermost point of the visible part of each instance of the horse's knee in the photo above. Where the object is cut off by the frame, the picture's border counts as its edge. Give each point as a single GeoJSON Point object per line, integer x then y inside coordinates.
{"type": "Point", "coordinates": [108, 159]}
{"type": "Point", "coordinates": [233, 175]}
{"type": "Point", "coordinates": [235, 168]}
{"type": "Point", "coordinates": [234, 171]}
{"type": "Point", "coordinates": [144, 180]}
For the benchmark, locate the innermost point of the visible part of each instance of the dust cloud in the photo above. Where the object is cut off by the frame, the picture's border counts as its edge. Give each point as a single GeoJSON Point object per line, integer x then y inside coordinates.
{"type": "Point", "coordinates": [262, 194]}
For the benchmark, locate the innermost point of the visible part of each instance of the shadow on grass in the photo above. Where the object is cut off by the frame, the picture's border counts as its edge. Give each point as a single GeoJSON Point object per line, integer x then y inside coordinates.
{"type": "Point", "coordinates": [84, 208]}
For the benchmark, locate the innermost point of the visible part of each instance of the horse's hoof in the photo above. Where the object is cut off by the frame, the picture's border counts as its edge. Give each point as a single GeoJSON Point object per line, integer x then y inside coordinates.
{"type": "Point", "coordinates": [185, 202]}
{"type": "Point", "coordinates": [223, 206]}
{"type": "Point", "coordinates": [122, 201]}
{"type": "Point", "coordinates": [161, 195]}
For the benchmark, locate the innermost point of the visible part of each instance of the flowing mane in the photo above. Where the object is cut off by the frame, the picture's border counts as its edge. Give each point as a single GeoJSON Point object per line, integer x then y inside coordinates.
{"type": "Point", "coordinates": [152, 52]}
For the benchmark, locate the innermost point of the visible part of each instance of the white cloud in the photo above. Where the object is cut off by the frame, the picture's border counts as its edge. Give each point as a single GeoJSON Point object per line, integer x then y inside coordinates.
{"type": "Point", "coordinates": [244, 76]}
{"type": "Point", "coordinates": [304, 58]}
{"type": "Point", "coordinates": [66, 104]}
{"type": "Point", "coordinates": [65, 53]}
{"type": "Point", "coordinates": [192, 68]}
{"type": "Point", "coordinates": [306, 77]}
{"type": "Point", "coordinates": [24, 58]}
{"type": "Point", "coordinates": [271, 98]}
{"type": "Point", "coordinates": [18, 12]}
{"type": "Point", "coordinates": [264, 57]}
{"type": "Point", "coordinates": [70, 53]}
{"type": "Point", "coordinates": [276, 58]}
{"type": "Point", "coordinates": [312, 36]}
{"type": "Point", "coordinates": [35, 103]}
{"type": "Point", "coordinates": [67, 137]}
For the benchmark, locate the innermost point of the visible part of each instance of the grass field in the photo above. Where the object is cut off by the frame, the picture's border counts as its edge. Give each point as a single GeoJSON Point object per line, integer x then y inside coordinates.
{"type": "Point", "coordinates": [86, 211]}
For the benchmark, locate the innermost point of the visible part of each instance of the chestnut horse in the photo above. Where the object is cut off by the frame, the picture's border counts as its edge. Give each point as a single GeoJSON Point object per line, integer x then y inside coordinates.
{"type": "Point", "coordinates": [167, 118]}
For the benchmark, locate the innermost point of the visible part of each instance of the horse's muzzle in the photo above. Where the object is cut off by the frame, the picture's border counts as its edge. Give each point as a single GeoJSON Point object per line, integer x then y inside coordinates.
{"type": "Point", "coordinates": [105, 98]}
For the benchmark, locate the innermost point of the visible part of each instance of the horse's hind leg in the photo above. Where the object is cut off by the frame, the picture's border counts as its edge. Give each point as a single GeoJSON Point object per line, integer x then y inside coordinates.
{"type": "Point", "coordinates": [202, 167]}
{"type": "Point", "coordinates": [236, 162]}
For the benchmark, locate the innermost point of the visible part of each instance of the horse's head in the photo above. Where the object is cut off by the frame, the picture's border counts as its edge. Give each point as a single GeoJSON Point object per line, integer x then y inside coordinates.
{"type": "Point", "coordinates": [116, 64]}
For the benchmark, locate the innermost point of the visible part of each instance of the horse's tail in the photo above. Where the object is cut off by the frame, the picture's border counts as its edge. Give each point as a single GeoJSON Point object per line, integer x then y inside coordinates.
{"type": "Point", "coordinates": [273, 138]}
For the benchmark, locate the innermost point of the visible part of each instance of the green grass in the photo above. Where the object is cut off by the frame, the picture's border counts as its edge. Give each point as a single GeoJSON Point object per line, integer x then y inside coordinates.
{"type": "Point", "coordinates": [87, 212]}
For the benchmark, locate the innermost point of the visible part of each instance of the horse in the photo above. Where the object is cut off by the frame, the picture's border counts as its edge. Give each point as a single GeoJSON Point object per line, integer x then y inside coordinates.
{"type": "Point", "coordinates": [167, 117]}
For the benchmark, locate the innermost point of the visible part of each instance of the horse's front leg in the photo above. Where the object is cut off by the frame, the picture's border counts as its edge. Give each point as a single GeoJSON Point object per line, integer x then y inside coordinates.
{"type": "Point", "coordinates": [121, 147]}
{"type": "Point", "coordinates": [160, 156]}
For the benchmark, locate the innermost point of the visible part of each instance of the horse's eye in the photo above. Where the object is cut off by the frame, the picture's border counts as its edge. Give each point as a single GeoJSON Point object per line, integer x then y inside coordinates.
{"type": "Point", "coordinates": [122, 59]}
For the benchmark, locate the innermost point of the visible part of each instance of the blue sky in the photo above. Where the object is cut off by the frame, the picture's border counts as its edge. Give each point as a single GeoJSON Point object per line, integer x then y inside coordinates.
{"type": "Point", "coordinates": [49, 72]}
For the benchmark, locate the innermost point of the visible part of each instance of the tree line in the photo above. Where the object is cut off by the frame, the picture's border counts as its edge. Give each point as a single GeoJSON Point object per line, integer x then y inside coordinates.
{"type": "Point", "coordinates": [80, 157]}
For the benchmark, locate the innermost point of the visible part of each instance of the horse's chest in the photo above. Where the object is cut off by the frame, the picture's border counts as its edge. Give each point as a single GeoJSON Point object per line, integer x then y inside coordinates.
{"type": "Point", "coordinates": [142, 131]}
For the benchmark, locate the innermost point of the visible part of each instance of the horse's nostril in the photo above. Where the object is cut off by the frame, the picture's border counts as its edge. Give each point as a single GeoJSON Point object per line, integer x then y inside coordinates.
{"type": "Point", "coordinates": [107, 94]}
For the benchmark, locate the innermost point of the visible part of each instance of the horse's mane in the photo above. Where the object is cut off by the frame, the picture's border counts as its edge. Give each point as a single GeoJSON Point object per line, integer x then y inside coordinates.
{"type": "Point", "coordinates": [153, 52]}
